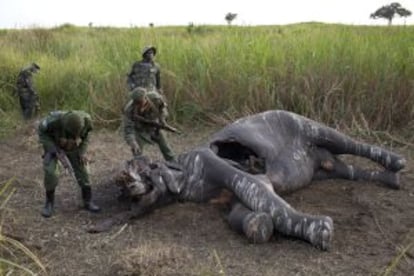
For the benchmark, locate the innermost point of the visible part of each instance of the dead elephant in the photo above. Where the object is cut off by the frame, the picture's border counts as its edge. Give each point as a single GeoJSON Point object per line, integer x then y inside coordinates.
{"type": "Point", "coordinates": [258, 158]}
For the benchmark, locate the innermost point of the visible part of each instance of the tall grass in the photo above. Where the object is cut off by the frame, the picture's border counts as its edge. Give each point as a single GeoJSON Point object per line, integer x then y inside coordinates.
{"type": "Point", "coordinates": [15, 258]}
{"type": "Point", "coordinates": [335, 73]}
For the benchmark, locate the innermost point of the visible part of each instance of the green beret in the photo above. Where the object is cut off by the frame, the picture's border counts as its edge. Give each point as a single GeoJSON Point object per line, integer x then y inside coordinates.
{"type": "Point", "coordinates": [73, 124]}
{"type": "Point", "coordinates": [147, 48]}
{"type": "Point", "coordinates": [138, 93]}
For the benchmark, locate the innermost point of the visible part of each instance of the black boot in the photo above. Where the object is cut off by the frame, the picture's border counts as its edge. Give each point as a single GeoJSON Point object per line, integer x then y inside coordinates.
{"type": "Point", "coordinates": [87, 200]}
{"type": "Point", "coordinates": [47, 211]}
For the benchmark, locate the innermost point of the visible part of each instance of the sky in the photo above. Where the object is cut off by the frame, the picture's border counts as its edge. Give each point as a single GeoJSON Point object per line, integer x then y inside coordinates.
{"type": "Point", "coordinates": [128, 13]}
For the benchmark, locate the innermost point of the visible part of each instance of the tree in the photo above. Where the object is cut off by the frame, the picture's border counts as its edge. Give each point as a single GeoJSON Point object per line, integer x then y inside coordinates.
{"type": "Point", "coordinates": [190, 27]}
{"type": "Point", "coordinates": [390, 11]}
{"type": "Point", "coordinates": [230, 17]}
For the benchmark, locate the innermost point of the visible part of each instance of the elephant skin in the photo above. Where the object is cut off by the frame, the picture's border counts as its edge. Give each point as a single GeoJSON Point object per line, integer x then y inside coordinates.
{"type": "Point", "coordinates": [257, 159]}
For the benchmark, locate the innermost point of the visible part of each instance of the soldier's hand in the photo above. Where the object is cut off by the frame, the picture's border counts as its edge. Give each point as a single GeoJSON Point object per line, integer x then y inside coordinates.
{"type": "Point", "coordinates": [67, 144]}
{"type": "Point", "coordinates": [83, 159]}
{"type": "Point", "coordinates": [37, 106]}
{"type": "Point", "coordinates": [63, 143]}
{"type": "Point", "coordinates": [136, 151]}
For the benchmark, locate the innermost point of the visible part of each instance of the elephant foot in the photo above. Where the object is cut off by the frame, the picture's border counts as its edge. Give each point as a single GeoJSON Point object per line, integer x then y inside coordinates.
{"type": "Point", "coordinates": [320, 232]}
{"type": "Point", "coordinates": [391, 179]}
{"type": "Point", "coordinates": [258, 227]}
{"type": "Point", "coordinates": [397, 165]}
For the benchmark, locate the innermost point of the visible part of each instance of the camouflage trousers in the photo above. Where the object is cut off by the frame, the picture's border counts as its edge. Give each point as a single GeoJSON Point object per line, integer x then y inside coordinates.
{"type": "Point", "coordinates": [144, 138]}
{"type": "Point", "coordinates": [51, 172]}
{"type": "Point", "coordinates": [28, 104]}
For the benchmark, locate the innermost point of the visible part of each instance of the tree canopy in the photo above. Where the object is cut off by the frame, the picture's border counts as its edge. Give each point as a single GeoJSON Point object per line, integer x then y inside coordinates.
{"type": "Point", "coordinates": [230, 17]}
{"type": "Point", "coordinates": [390, 11]}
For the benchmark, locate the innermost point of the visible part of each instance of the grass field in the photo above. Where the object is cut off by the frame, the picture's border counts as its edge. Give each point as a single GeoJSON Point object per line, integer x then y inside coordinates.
{"type": "Point", "coordinates": [355, 77]}
{"type": "Point", "coordinates": [342, 75]}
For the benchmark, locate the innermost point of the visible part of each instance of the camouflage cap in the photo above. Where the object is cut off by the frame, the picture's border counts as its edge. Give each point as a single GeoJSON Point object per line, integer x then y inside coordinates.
{"type": "Point", "coordinates": [34, 65]}
{"type": "Point", "coordinates": [73, 124]}
{"type": "Point", "coordinates": [147, 48]}
{"type": "Point", "coordinates": [138, 93]}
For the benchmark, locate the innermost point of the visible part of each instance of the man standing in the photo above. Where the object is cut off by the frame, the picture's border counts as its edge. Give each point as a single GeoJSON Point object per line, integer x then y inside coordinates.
{"type": "Point", "coordinates": [145, 73]}
{"type": "Point", "coordinates": [29, 99]}
{"type": "Point", "coordinates": [143, 120]}
{"type": "Point", "coordinates": [64, 136]}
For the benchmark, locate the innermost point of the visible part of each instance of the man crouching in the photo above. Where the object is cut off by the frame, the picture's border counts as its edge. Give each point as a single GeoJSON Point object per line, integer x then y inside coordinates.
{"type": "Point", "coordinates": [64, 136]}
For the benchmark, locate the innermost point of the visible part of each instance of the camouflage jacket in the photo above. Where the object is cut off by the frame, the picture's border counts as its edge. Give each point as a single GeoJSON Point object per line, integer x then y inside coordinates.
{"type": "Point", "coordinates": [51, 129]}
{"type": "Point", "coordinates": [144, 74]}
{"type": "Point", "coordinates": [155, 110]}
{"type": "Point", "coordinates": [25, 82]}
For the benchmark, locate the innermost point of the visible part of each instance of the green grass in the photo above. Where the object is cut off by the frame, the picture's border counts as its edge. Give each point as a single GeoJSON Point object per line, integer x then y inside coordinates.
{"type": "Point", "coordinates": [15, 257]}
{"type": "Point", "coordinates": [335, 73]}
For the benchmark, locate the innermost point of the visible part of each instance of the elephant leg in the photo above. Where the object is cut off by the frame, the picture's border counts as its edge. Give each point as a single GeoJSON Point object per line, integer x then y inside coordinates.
{"type": "Point", "coordinates": [259, 196]}
{"type": "Point", "coordinates": [256, 226]}
{"type": "Point", "coordinates": [336, 168]}
{"type": "Point", "coordinates": [338, 143]}
{"type": "Point", "coordinates": [318, 230]}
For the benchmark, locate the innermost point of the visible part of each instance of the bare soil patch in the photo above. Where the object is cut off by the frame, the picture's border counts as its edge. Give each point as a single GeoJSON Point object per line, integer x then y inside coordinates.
{"type": "Point", "coordinates": [374, 226]}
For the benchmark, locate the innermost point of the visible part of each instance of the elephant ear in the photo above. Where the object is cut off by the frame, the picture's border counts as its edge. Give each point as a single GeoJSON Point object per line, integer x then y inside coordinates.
{"type": "Point", "coordinates": [256, 144]}
{"type": "Point", "coordinates": [248, 144]}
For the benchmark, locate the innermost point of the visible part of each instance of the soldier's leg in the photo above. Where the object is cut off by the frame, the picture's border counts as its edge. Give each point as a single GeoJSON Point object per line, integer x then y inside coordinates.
{"type": "Point", "coordinates": [164, 147]}
{"type": "Point", "coordinates": [31, 106]}
{"type": "Point", "coordinates": [50, 183]}
{"type": "Point", "coordinates": [256, 226]}
{"type": "Point", "coordinates": [25, 104]}
{"type": "Point", "coordinates": [82, 177]}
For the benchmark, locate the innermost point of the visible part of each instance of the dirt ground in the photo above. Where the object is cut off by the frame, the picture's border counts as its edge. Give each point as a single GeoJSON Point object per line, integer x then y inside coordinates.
{"type": "Point", "coordinates": [374, 226]}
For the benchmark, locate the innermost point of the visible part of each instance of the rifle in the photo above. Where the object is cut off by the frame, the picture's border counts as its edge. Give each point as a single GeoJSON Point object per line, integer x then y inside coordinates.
{"type": "Point", "coordinates": [164, 126]}
{"type": "Point", "coordinates": [63, 159]}
{"type": "Point", "coordinates": [167, 127]}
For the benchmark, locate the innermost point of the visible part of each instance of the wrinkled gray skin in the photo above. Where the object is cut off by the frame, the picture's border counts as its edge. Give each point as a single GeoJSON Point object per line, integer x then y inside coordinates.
{"type": "Point", "coordinates": [258, 158]}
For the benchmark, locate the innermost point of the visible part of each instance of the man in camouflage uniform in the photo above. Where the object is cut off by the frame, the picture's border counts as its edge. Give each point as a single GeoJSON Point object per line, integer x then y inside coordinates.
{"type": "Point", "coordinates": [145, 73]}
{"type": "Point", "coordinates": [142, 118]}
{"type": "Point", "coordinates": [65, 132]}
{"type": "Point", "coordinates": [29, 100]}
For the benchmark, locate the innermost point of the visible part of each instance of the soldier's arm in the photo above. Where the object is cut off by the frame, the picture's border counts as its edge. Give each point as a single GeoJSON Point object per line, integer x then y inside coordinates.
{"type": "Point", "coordinates": [130, 80]}
{"type": "Point", "coordinates": [85, 135]}
{"type": "Point", "coordinates": [158, 79]}
{"type": "Point", "coordinates": [128, 129]}
{"type": "Point", "coordinates": [163, 112]}
{"type": "Point", "coordinates": [45, 131]}
{"type": "Point", "coordinates": [158, 103]}
{"type": "Point", "coordinates": [28, 83]}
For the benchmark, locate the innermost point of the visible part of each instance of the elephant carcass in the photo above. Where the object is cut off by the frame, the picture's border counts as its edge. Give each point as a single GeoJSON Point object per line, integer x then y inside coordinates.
{"type": "Point", "coordinates": [258, 158]}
